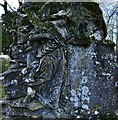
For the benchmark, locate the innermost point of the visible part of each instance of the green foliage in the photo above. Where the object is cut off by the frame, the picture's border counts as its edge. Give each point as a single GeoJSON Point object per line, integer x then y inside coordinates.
{"type": "Point", "coordinates": [6, 27]}
{"type": "Point", "coordinates": [4, 65]}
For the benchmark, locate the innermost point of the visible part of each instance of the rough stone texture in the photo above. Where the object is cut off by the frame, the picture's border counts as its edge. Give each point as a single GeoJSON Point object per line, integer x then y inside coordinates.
{"type": "Point", "coordinates": [61, 65]}
{"type": "Point", "coordinates": [91, 74]}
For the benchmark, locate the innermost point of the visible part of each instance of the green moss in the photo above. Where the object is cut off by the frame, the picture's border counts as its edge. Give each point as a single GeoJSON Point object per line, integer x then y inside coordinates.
{"type": "Point", "coordinates": [2, 92]}
{"type": "Point", "coordinates": [84, 41]}
{"type": "Point", "coordinates": [24, 21]}
{"type": "Point", "coordinates": [5, 65]}
{"type": "Point", "coordinates": [107, 43]}
{"type": "Point", "coordinates": [109, 117]}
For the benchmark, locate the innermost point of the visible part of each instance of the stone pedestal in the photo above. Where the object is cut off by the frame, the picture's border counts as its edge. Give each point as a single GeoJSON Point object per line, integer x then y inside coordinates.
{"type": "Point", "coordinates": [91, 72]}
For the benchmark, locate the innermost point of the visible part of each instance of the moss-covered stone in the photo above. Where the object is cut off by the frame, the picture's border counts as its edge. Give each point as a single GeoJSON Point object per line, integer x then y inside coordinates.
{"type": "Point", "coordinates": [107, 43]}
{"type": "Point", "coordinates": [58, 64]}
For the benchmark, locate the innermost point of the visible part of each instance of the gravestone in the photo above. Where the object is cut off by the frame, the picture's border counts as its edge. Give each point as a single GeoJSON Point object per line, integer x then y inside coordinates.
{"type": "Point", "coordinates": [62, 66]}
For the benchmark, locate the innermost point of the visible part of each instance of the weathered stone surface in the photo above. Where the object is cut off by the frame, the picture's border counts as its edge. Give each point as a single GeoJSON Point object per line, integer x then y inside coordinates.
{"type": "Point", "coordinates": [62, 67]}
{"type": "Point", "coordinates": [91, 74]}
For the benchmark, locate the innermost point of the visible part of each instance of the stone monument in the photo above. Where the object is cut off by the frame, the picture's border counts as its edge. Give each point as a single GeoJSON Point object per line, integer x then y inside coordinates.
{"type": "Point", "coordinates": [62, 66]}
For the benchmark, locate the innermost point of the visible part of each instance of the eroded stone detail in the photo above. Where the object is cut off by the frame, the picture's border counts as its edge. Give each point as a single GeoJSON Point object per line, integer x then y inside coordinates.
{"type": "Point", "coordinates": [61, 65]}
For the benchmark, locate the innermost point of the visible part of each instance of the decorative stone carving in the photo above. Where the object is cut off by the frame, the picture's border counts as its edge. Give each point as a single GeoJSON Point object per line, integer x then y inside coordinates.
{"type": "Point", "coordinates": [61, 67]}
